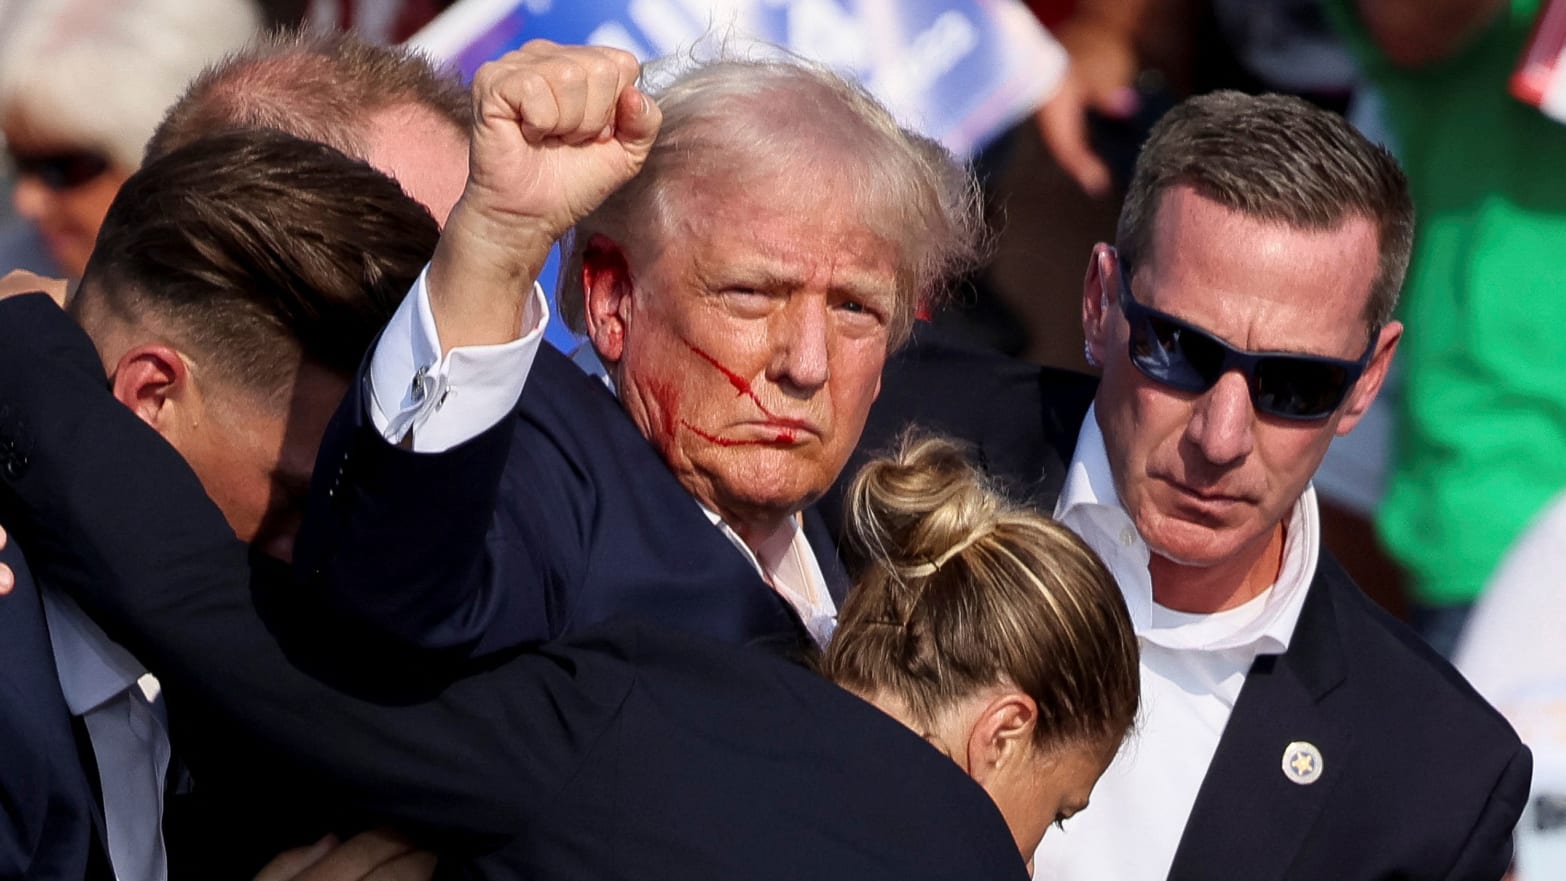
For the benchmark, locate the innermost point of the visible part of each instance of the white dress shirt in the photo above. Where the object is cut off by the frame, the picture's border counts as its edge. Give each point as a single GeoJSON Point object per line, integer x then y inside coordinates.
{"type": "Point", "coordinates": [118, 701]}
{"type": "Point", "coordinates": [445, 402]}
{"type": "Point", "coordinates": [1192, 668]}
{"type": "Point", "coordinates": [411, 384]}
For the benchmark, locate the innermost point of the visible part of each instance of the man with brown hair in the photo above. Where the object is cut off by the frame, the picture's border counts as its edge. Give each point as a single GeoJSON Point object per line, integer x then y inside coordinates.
{"type": "Point", "coordinates": [387, 105]}
{"type": "Point", "coordinates": [235, 285]}
{"type": "Point", "coordinates": [1292, 730]}
{"type": "Point", "coordinates": [231, 295]}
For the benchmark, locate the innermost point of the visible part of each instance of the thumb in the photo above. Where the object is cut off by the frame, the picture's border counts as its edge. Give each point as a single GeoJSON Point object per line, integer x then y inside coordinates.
{"type": "Point", "coordinates": [637, 119]}
{"type": "Point", "coordinates": [1064, 129]}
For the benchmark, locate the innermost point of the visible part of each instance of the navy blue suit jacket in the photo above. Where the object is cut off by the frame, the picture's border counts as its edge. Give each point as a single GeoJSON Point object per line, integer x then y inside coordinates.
{"type": "Point", "coordinates": [51, 828]}
{"type": "Point", "coordinates": [557, 518]}
{"type": "Point", "coordinates": [1423, 780]}
{"type": "Point", "coordinates": [630, 751]}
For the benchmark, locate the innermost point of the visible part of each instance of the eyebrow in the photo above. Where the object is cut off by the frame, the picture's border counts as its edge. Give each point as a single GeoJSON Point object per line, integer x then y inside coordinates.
{"type": "Point", "coordinates": [859, 285]}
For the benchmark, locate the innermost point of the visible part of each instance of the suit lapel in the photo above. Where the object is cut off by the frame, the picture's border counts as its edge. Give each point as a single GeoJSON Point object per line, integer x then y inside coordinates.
{"type": "Point", "coordinates": [825, 549]}
{"type": "Point", "coordinates": [1250, 818]}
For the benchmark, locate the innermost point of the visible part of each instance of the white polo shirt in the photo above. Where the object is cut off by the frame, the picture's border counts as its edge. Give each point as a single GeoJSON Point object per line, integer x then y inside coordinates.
{"type": "Point", "coordinates": [1192, 667]}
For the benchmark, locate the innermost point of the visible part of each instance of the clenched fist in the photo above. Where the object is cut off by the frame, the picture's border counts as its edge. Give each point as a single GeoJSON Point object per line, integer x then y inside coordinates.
{"type": "Point", "coordinates": [556, 130]}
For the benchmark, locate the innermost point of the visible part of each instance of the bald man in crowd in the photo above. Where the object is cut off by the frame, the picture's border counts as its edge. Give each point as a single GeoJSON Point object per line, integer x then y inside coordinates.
{"type": "Point", "coordinates": [388, 105]}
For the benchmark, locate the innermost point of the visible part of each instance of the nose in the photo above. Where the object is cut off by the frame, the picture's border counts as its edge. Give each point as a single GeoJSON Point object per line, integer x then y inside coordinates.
{"type": "Point", "coordinates": [801, 363]}
{"type": "Point", "coordinates": [1222, 421]}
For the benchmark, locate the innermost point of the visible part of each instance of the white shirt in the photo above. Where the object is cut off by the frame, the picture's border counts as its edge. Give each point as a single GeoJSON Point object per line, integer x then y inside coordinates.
{"type": "Point", "coordinates": [446, 401]}
{"type": "Point", "coordinates": [1192, 669]}
{"type": "Point", "coordinates": [118, 701]}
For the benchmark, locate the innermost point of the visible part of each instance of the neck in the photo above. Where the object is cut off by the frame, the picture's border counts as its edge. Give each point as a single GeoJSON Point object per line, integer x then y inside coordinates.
{"type": "Point", "coordinates": [766, 537]}
{"type": "Point", "coordinates": [1217, 588]}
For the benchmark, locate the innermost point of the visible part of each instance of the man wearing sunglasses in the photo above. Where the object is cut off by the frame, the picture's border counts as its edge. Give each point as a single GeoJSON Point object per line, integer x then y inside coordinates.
{"type": "Point", "coordinates": [1291, 729]}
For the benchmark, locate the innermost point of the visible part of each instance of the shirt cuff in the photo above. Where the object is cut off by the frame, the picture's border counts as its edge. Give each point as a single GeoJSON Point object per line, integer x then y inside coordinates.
{"type": "Point", "coordinates": [447, 401]}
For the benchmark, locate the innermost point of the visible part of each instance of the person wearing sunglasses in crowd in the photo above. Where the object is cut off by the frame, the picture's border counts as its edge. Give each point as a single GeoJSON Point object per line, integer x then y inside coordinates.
{"type": "Point", "coordinates": [1244, 319]}
{"type": "Point", "coordinates": [83, 83]}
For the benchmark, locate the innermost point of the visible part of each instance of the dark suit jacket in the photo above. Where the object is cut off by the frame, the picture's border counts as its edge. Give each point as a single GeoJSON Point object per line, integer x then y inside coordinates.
{"type": "Point", "coordinates": [630, 752]}
{"type": "Point", "coordinates": [1018, 420]}
{"type": "Point", "coordinates": [51, 827]}
{"type": "Point", "coordinates": [559, 518]}
{"type": "Point", "coordinates": [1421, 779]}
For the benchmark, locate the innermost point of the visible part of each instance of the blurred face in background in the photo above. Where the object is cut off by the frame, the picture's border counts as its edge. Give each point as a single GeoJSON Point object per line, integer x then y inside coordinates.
{"type": "Point", "coordinates": [61, 187]}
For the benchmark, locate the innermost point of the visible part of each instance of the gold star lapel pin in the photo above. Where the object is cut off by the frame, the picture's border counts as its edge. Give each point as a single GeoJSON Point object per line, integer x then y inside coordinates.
{"type": "Point", "coordinates": [1302, 763]}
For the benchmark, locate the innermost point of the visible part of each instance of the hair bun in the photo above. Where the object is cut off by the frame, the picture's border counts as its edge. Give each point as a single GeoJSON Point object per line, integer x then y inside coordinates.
{"type": "Point", "coordinates": [914, 510]}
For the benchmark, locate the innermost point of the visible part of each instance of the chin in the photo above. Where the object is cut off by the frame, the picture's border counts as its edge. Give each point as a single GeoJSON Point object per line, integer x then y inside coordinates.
{"type": "Point", "coordinates": [1190, 544]}
{"type": "Point", "coordinates": [761, 501]}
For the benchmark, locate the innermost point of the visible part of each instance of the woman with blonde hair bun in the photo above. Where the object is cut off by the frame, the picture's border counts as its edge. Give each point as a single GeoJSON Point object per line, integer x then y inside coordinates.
{"type": "Point", "coordinates": [989, 629]}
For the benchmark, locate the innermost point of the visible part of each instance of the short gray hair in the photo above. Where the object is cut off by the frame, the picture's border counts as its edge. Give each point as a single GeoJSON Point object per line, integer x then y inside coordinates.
{"type": "Point", "coordinates": [1279, 159]}
{"type": "Point", "coordinates": [102, 72]}
{"type": "Point", "coordinates": [732, 121]}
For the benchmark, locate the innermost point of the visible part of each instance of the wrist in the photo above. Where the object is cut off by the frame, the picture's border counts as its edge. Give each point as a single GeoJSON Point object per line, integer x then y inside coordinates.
{"type": "Point", "coordinates": [481, 277]}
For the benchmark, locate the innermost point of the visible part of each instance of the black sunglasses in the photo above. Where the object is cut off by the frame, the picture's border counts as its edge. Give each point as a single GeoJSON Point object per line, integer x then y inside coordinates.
{"type": "Point", "coordinates": [61, 171]}
{"type": "Point", "coordinates": [1287, 385]}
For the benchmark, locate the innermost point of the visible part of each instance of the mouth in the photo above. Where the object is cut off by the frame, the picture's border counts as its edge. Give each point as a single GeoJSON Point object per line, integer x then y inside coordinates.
{"type": "Point", "coordinates": [1208, 497]}
{"type": "Point", "coordinates": [765, 433]}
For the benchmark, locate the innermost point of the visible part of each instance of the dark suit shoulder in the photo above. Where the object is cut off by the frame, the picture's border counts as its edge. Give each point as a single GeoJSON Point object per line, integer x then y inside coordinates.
{"type": "Point", "coordinates": [48, 829]}
{"type": "Point", "coordinates": [1393, 665]}
{"type": "Point", "coordinates": [1439, 777]}
{"type": "Point", "coordinates": [750, 766]}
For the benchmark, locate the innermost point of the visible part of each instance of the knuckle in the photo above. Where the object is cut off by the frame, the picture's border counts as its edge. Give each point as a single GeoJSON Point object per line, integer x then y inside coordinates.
{"type": "Point", "coordinates": [571, 75]}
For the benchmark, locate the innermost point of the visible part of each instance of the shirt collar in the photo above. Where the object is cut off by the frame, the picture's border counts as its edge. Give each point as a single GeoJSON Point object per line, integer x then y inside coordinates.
{"type": "Point", "coordinates": [93, 668]}
{"type": "Point", "coordinates": [789, 565]}
{"type": "Point", "coordinates": [1091, 507]}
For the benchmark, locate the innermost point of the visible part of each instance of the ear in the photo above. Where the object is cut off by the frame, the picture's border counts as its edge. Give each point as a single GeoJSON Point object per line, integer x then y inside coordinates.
{"type": "Point", "coordinates": [154, 381]}
{"type": "Point", "coordinates": [607, 287]}
{"type": "Point", "coordinates": [1369, 384]}
{"type": "Point", "coordinates": [1097, 316]}
{"type": "Point", "coordinates": [1002, 735]}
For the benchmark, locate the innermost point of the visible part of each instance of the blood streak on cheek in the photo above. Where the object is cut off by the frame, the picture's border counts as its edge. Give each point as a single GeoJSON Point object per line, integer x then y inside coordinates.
{"type": "Point", "coordinates": [668, 401]}
{"type": "Point", "coordinates": [742, 385]}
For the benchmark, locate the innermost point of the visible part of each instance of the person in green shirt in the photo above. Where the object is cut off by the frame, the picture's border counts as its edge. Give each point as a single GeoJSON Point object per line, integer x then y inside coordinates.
{"type": "Point", "coordinates": [1481, 427]}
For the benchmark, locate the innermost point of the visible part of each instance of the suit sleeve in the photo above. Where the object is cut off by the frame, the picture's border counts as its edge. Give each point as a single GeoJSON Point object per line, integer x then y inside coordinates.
{"type": "Point", "coordinates": [1487, 854]}
{"type": "Point", "coordinates": [400, 541]}
{"type": "Point", "coordinates": [24, 787]}
{"type": "Point", "coordinates": [111, 513]}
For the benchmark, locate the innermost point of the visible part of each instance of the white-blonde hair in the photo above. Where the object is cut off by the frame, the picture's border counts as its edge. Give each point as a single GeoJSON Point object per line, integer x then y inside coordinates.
{"type": "Point", "coordinates": [733, 123]}
{"type": "Point", "coordinates": [101, 73]}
